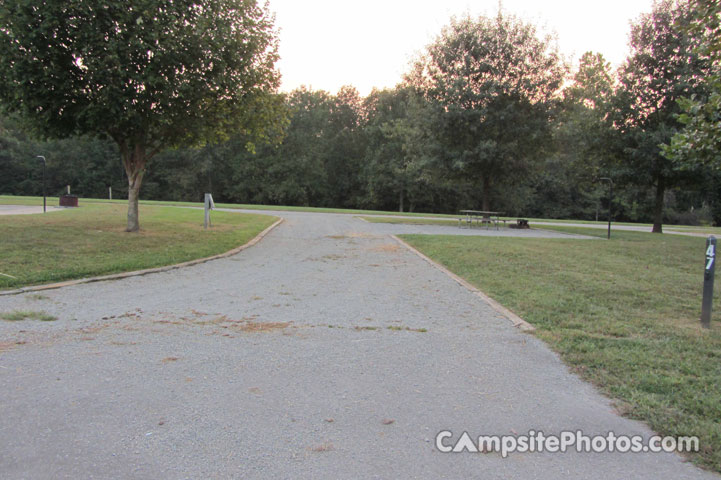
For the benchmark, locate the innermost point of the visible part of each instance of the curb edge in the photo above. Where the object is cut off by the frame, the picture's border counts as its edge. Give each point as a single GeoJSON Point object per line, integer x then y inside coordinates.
{"type": "Point", "coordinates": [515, 320]}
{"type": "Point", "coordinates": [137, 273]}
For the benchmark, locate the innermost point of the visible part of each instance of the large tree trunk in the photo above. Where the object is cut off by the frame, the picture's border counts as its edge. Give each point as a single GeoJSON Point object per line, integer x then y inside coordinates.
{"type": "Point", "coordinates": [486, 193]}
{"type": "Point", "coordinates": [133, 195]}
{"type": "Point", "coordinates": [134, 162]}
{"type": "Point", "coordinates": [658, 206]}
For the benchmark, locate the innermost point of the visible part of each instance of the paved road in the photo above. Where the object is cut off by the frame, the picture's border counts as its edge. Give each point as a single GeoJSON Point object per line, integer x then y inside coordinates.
{"type": "Point", "coordinates": [25, 209]}
{"type": "Point", "coordinates": [325, 351]}
{"type": "Point", "coordinates": [629, 228]}
{"type": "Point", "coordinates": [602, 226]}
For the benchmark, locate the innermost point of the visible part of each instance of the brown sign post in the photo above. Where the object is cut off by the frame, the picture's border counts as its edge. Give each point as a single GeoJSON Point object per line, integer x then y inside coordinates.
{"type": "Point", "coordinates": [708, 275]}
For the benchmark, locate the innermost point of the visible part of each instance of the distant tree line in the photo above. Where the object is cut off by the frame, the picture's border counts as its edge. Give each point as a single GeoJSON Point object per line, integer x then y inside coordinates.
{"type": "Point", "coordinates": [490, 117]}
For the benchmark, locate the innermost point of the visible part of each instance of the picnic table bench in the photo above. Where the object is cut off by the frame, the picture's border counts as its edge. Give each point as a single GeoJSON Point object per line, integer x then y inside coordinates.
{"type": "Point", "coordinates": [487, 218]}
{"type": "Point", "coordinates": [481, 217]}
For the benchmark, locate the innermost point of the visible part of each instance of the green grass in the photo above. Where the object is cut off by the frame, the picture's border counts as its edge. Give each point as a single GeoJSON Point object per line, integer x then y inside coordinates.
{"type": "Point", "coordinates": [623, 314]}
{"type": "Point", "coordinates": [19, 315]}
{"type": "Point", "coordinates": [454, 221]}
{"type": "Point", "coordinates": [451, 219]}
{"type": "Point", "coordinates": [53, 201]}
{"type": "Point", "coordinates": [595, 232]}
{"type": "Point", "coordinates": [684, 228]}
{"type": "Point", "coordinates": [91, 240]}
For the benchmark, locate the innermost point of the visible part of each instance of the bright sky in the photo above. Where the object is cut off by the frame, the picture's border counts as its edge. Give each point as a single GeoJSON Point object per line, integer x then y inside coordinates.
{"type": "Point", "coordinates": [325, 44]}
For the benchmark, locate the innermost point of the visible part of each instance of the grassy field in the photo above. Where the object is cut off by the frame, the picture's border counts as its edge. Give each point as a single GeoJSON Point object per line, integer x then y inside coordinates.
{"type": "Point", "coordinates": [433, 218]}
{"type": "Point", "coordinates": [53, 201]}
{"type": "Point", "coordinates": [623, 314]}
{"type": "Point", "coordinates": [91, 240]}
{"type": "Point", "coordinates": [454, 222]}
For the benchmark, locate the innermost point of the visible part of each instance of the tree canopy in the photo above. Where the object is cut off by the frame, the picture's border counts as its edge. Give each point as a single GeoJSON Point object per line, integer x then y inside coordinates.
{"type": "Point", "coordinates": [699, 142]}
{"type": "Point", "coordinates": [663, 68]}
{"type": "Point", "coordinates": [485, 116]}
{"type": "Point", "coordinates": [149, 74]}
{"type": "Point", "coordinates": [494, 81]}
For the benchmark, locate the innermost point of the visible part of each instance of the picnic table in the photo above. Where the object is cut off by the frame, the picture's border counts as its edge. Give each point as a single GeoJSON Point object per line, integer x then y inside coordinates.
{"type": "Point", "coordinates": [482, 217]}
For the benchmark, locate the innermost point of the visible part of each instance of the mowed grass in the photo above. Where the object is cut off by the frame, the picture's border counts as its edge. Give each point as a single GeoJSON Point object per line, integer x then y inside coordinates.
{"type": "Point", "coordinates": [91, 240]}
{"type": "Point", "coordinates": [416, 218]}
{"type": "Point", "coordinates": [53, 201]}
{"type": "Point", "coordinates": [623, 314]}
{"type": "Point", "coordinates": [539, 223]}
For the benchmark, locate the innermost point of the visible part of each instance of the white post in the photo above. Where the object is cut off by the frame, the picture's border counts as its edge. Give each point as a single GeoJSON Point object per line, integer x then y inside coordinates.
{"type": "Point", "coordinates": [110, 193]}
{"type": "Point", "coordinates": [206, 222]}
{"type": "Point", "coordinates": [68, 189]}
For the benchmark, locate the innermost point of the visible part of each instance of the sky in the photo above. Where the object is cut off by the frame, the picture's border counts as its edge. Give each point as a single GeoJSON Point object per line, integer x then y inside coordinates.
{"type": "Point", "coordinates": [325, 44]}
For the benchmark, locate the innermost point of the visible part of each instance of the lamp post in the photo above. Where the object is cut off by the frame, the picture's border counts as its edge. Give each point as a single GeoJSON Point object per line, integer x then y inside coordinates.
{"type": "Point", "coordinates": [610, 200]}
{"type": "Point", "coordinates": [45, 202]}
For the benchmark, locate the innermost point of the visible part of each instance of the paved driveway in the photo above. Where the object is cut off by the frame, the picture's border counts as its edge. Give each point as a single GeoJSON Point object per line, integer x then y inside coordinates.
{"type": "Point", "coordinates": [25, 209]}
{"type": "Point", "coordinates": [326, 351]}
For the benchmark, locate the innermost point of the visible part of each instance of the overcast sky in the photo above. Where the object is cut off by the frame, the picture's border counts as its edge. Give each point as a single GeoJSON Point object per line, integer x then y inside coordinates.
{"type": "Point", "coordinates": [325, 44]}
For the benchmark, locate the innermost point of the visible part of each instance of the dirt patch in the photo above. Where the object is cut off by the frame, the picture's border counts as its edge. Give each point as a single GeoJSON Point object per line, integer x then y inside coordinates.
{"type": "Point", "coordinates": [222, 323]}
{"type": "Point", "coordinates": [245, 324]}
{"type": "Point", "coordinates": [387, 247]}
{"type": "Point", "coordinates": [4, 346]}
{"type": "Point", "coordinates": [361, 235]}
{"type": "Point", "coordinates": [352, 235]}
{"type": "Point", "coordinates": [325, 447]}
{"type": "Point", "coordinates": [262, 326]}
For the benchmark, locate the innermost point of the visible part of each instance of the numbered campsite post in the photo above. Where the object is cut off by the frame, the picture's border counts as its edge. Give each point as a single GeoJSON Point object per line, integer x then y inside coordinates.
{"type": "Point", "coordinates": [207, 211]}
{"type": "Point", "coordinates": [708, 282]}
{"type": "Point", "coordinates": [209, 205]}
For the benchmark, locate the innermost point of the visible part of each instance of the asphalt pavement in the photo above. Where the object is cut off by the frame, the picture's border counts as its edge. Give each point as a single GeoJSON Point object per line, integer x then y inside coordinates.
{"type": "Point", "coordinates": [326, 351]}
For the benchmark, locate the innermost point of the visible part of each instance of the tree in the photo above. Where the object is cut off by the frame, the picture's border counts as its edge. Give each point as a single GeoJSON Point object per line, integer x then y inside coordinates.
{"type": "Point", "coordinates": [699, 143]}
{"type": "Point", "coordinates": [494, 82]}
{"type": "Point", "coordinates": [344, 148]}
{"type": "Point", "coordinates": [397, 147]}
{"type": "Point", "coordinates": [662, 68]}
{"type": "Point", "coordinates": [149, 74]}
{"type": "Point", "coordinates": [567, 186]}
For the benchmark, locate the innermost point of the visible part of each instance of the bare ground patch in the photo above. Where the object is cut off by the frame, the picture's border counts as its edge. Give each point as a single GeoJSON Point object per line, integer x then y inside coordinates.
{"type": "Point", "coordinates": [351, 235]}
{"type": "Point", "coordinates": [262, 326]}
{"type": "Point", "coordinates": [386, 247]}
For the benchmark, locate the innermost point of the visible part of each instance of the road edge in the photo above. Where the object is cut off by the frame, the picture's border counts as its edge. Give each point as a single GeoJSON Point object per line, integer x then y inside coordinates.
{"type": "Point", "coordinates": [515, 320]}
{"type": "Point", "coordinates": [146, 271]}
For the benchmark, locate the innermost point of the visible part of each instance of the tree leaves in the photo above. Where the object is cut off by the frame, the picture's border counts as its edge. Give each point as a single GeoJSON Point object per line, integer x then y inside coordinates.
{"type": "Point", "coordinates": [698, 144]}
{"type": "Point", "coordinates": [168, 71]}
{"type": "Point", "coordinates": [496, 83]}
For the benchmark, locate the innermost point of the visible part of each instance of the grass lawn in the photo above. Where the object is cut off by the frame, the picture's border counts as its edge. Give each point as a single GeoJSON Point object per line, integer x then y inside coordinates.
{"type": "Point", "coordinates": [91, 240]}
{"type": "Point", "coordinates": [53, 201]}
{"type": "Point", "coordinates": [454, 222]}
{"type": "Point", "coordinates": [623, 314]}
{"type": "Point", "coordinates": [684, 228]}
{"type": "Point", "coordinates": [437, 218]}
